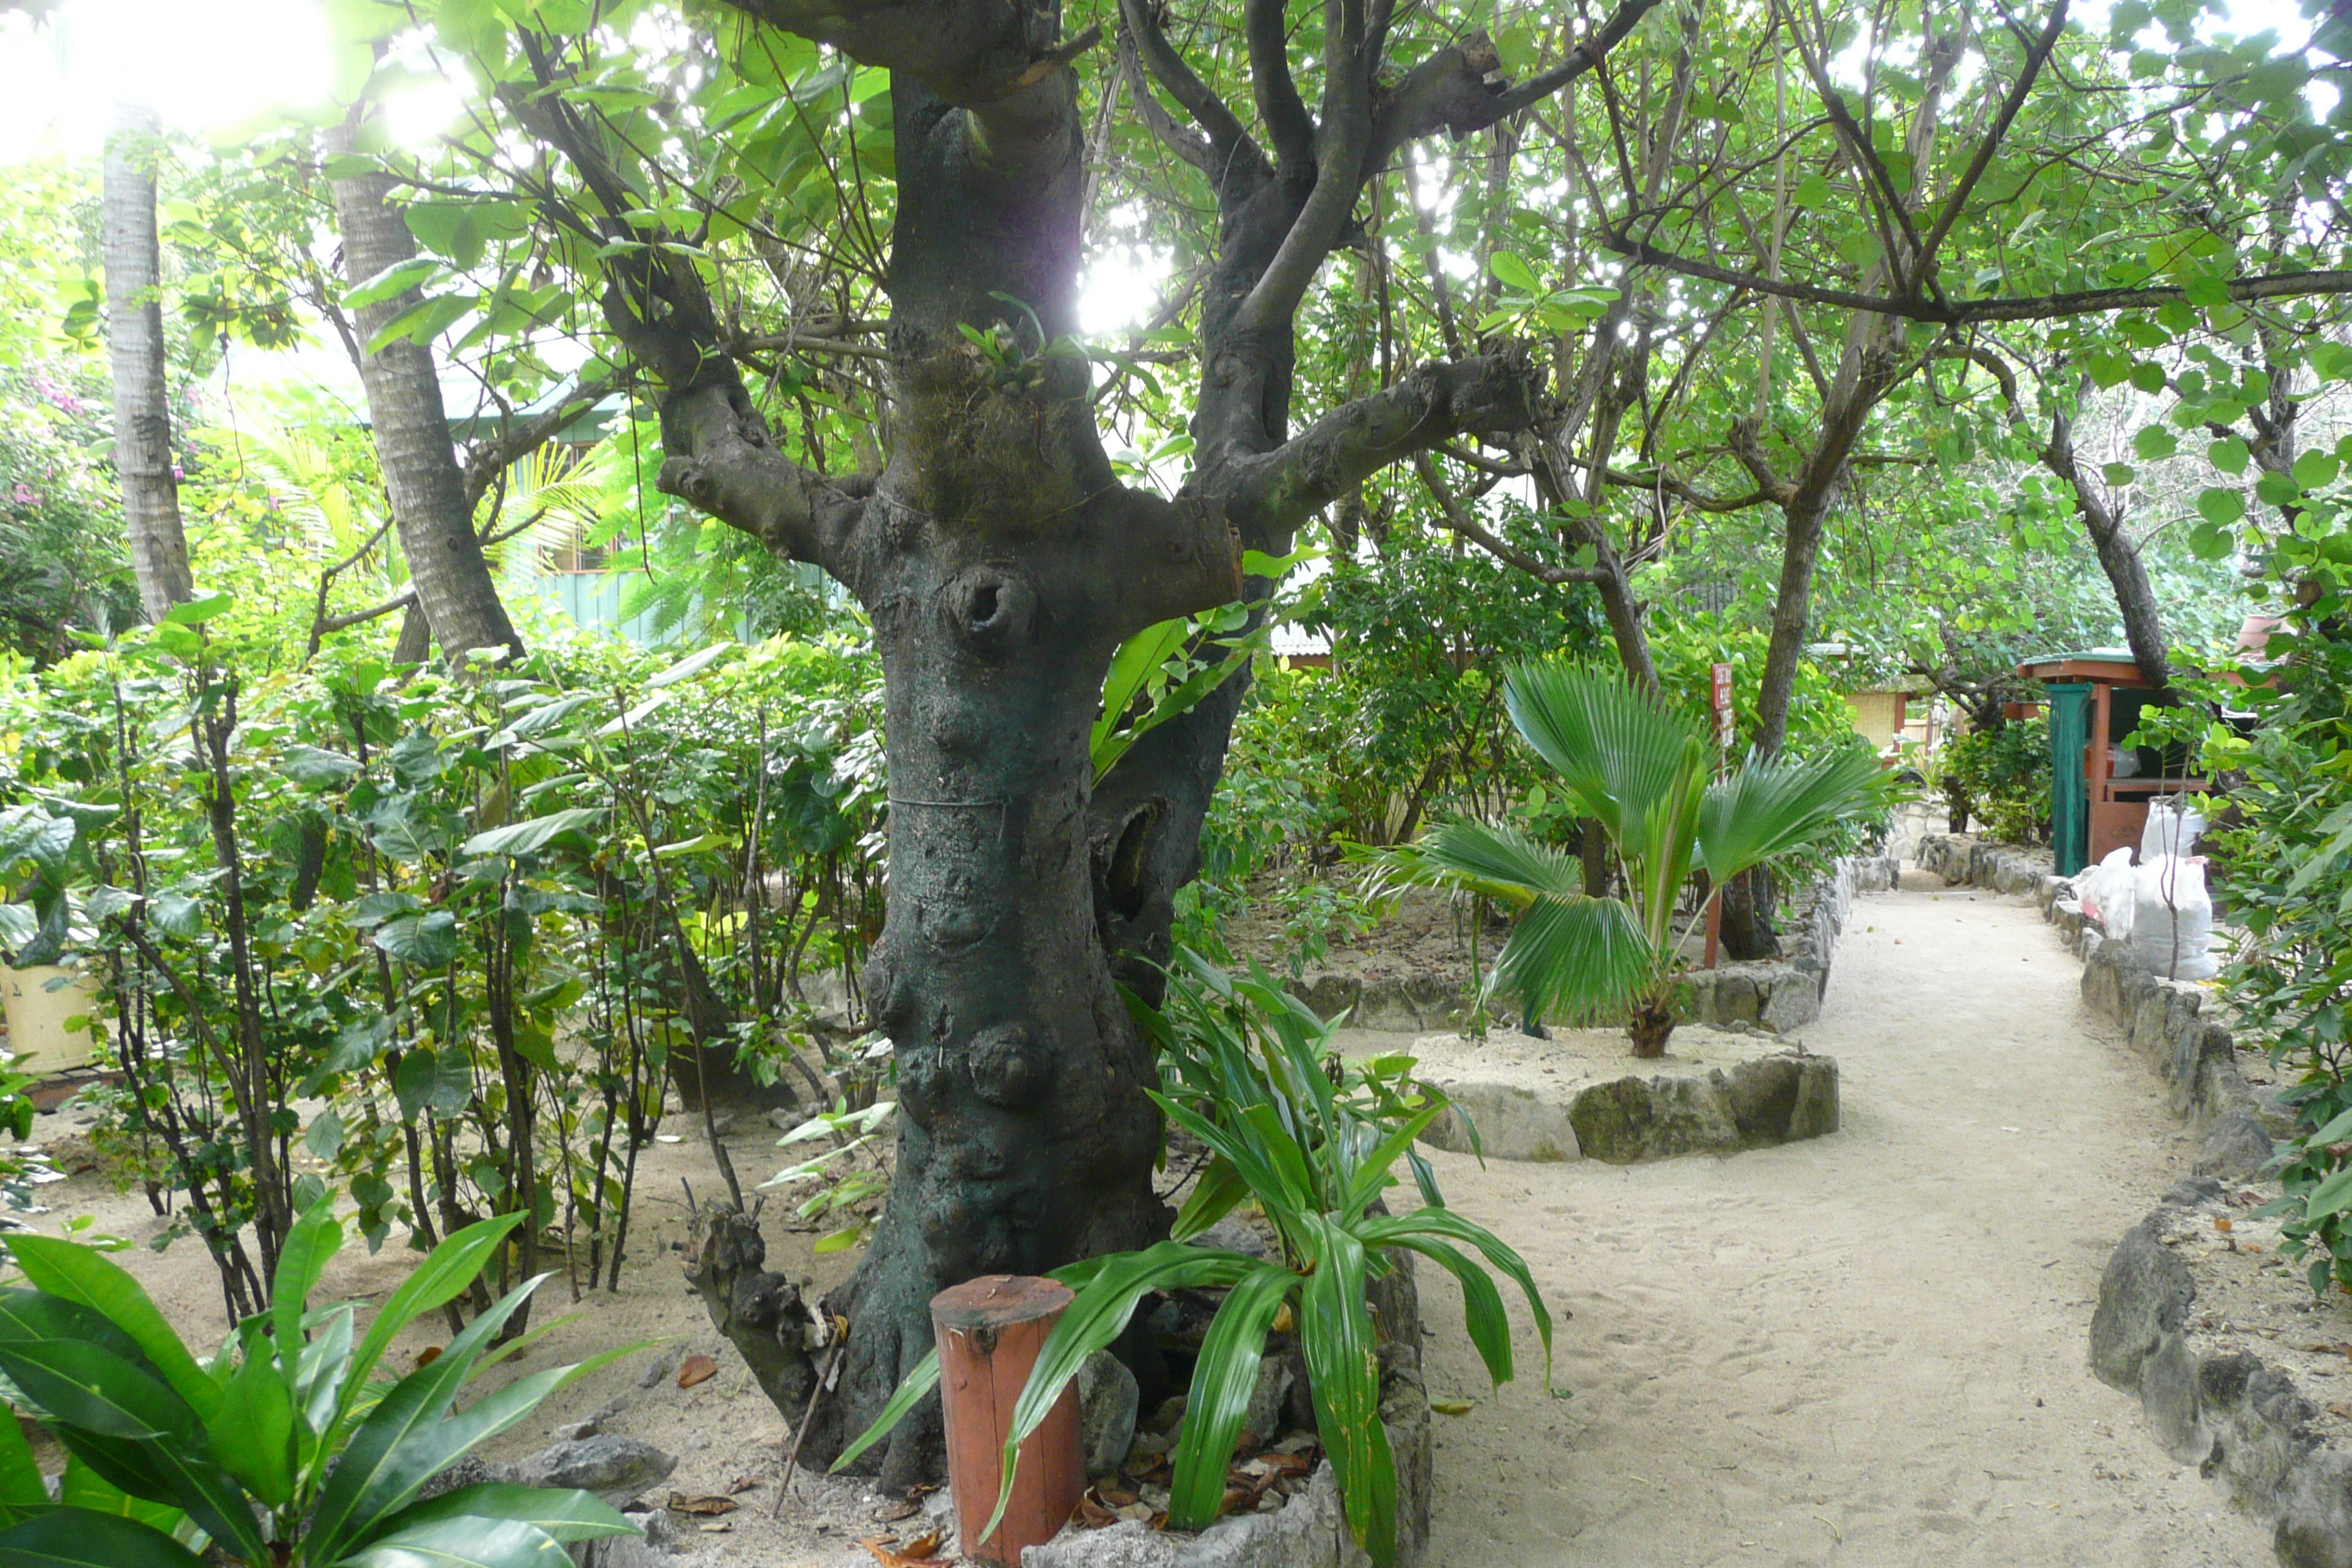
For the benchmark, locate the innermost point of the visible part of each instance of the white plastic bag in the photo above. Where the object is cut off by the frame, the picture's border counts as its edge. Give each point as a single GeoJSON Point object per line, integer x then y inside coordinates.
{"type": "Point", "coordinates": [2107, 894]}
{"type": "Point", "coordinates": [2172, 923]}
{"type": "Point", "coordinates": [2169, 833]}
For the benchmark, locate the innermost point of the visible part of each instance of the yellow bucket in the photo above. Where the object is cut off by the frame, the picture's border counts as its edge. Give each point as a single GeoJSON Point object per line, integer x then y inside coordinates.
{"type": "Point", "coordinates": [37, 1011]}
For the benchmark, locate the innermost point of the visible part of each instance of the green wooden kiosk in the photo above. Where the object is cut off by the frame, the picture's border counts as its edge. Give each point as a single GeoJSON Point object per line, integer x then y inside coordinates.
{"type": "Point", "coordinates": [2100, 789]}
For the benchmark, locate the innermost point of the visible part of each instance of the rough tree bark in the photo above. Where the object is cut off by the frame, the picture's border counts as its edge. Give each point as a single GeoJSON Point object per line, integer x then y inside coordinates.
{"type": "Point", "coordinates": [1003, 563]}
{"type": "Point", "coordinates": [430, 503]}
{"type": "Point", "coordinates": [2119, 558]}
{"type": "Point", "coordinates": [142, 406]}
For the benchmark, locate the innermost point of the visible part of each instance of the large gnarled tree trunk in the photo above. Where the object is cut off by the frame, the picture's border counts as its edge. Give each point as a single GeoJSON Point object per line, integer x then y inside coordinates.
{"type": "Point", "coordinates": [1003, 563]}
{"type": "Point", "coordinates": [142, 402]}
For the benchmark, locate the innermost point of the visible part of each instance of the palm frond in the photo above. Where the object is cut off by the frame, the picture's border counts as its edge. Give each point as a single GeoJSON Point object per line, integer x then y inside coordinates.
{"type": "Point", "coordinates": [1500, 862]}
{"type": "Point", "coordinates": [1621, 753]}
{"type": "Point", "coordinates": [1768, 808]}
{"type": "Point", "coordinates": [1576, 956]}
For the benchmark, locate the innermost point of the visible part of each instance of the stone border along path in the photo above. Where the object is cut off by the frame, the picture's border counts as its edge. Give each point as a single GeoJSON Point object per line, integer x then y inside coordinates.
{"type": "Point", "coordinates": [1865, 1349]}
{"type": "Point", "coordinates": [2234, 1414]}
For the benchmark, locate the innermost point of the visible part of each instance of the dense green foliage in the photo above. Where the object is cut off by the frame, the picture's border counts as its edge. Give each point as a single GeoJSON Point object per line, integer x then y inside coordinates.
{"type": "Point", "coordinates": [283, 1449]}
{"type": "Point", "coordinates": [2001, 777]}
{"type": "Point", "coordinates": [478, 919]}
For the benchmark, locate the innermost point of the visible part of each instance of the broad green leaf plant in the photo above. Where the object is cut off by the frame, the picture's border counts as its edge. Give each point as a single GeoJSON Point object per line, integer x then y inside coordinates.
{"type": "Point", "coordinates": [1250, 1072]}
{"type": "Point", "coordinates": [281, 1450]}
{"type": "Point", "coordinates": [1645, 771]}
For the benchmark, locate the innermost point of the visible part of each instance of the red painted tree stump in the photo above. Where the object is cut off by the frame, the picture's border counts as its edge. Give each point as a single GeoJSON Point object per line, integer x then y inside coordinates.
{"type": "Point", "coordinates": [990, 1330]}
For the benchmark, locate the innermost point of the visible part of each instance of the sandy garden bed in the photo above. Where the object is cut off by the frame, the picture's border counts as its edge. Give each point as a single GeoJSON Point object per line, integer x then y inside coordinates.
{"type": "Point", "coordinates": [1580, 1094]}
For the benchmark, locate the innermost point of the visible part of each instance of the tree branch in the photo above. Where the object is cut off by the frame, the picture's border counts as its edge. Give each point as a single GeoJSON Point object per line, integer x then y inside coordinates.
{"type": "Point", "coordinates": [1455, 90]}
{"type": "Point", "coordinates": [487, 460]}
{"type": "Point", "coordinates": [1963, 312]}
{"type": "Point", "coordinates": [1139, 34]}
{"type": "Point", "coordinates": [1279, 107]}
{"type": "Point", "coordinates": [1458, 520]}
{"type": "Point", "coordinates": [2035, 56]}
{"type": "Point", "coordinates": [1273, 493]}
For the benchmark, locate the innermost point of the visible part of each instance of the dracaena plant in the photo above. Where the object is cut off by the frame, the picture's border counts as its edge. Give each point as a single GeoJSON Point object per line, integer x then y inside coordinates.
{"type": "Point", "coordinates": [1249, 1071]}
{"type": "Point", "coordinates": [281, 1450]}
{"type": "Point", "coordinates": [1646, 773]}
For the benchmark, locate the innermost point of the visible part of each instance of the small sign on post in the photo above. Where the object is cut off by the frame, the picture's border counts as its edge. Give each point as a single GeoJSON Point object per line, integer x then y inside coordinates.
{"type": "Point", "coordinates": [1725, 730]}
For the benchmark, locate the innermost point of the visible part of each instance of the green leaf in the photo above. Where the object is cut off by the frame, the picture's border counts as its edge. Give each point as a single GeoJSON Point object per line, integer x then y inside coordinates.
{"type": "Point", "coordinates": [315, 767]}
{"type": "Point", "coordinates": [2155, 442]}
{"type": "Point", "coordinates": [2229, 453]}
{"type": "Point", "coordinates": [393, 280]}
{"type": "Point", "coordinates": [253, 1431]}
{"type": "Point", "coordinates": [1224, 1378]}
{"type": "Point", "coordinates": [310, 1246]}
{"type": "Point", "coordinates": [1213, 1197]}
{"type": "Point", "coordinates": [565, 1515]}
{"type": "Point", "coordinates": [2118, 475]}
{"type": "Point", "coordinates": [2220, 505]}
{"type": "Point", "coordinates": [382, 1467]}
{"type": "Point", "coordinates": [440, 1081]}
{"type": "Point", "coordinates": [427, 939]}
{"type": "Point", "coordinates": [923, 1377]}
{"type": "Point", "coordinates": [694, 663]}
{"type": "Point", "coordinates": [2315, 469]}
{"type": "Point", "coordinates": [196, 611]}
{"type": "Point", "coordinates": [21, 1488]}
{"type": "Point", "coordinates": [464, 1542]}
{"type": "Point", "coordinates": [1482, 1305]}
{"type": "Point", "coordinates": [2332, 1196]}
{"type": "Point", "coordinates": [1400, 1229]}
{"type": "Point", "coordinates": [77, 1274]}
{"type": "Point", "coordinates": [1515, 272]}
{"type": "Point", "coordinates": [524, 837]}
{"type": "Point", "coordinates": [82, 1487]}
{"type": "Point", "coordinates": [78, 1538]}
{"type": "Point", "coordinates": [1343, 1371]}
{"type": "Point", "coordinates": [85, 1389]}
{"type": "Point", "coordinates": [449, 1268]}
{"type": "Point", "coordinates": [422, 321]}
{"type": "Point", "coordinates": [1812, 191]}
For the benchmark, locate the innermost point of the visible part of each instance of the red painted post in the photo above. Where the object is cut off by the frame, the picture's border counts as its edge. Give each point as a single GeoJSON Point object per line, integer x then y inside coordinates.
{"type": "Point", "coordinates": [990, 1330]}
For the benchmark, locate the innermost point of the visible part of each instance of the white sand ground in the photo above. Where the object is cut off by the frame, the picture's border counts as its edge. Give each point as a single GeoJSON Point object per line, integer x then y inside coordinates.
{"type": "Point", "coordinates": [1866, 1349]}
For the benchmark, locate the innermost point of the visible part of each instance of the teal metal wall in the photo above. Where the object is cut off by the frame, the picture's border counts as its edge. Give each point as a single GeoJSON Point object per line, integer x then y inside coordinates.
{"type": "Point", "coordinates": [2070, 795]}
{"type": "Point", "coordinates": [592, 599]}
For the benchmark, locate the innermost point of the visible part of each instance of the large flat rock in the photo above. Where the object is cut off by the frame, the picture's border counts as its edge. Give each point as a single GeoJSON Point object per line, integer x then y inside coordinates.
{"type": "Point", "coordinates": [1582, 1095]}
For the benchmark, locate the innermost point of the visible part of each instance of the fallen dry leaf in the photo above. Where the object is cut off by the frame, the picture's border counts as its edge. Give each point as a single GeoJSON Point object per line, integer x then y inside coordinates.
{"type": "Point", "coordinates": [695, 1368]}
{"type": "Point", "coordinates": [2221, 1224]}
{"type": "Point", "coordinates": [923, 1546]}
{"type": "Point", "coordinates": [427, 1356]}
{"type": "Point", "coordinates": [1115, 1498]}
{"type": "Point", "coordinates": [892, 1512]}
{"type": "Point", "coordinates": [741, 1484]}
{"type": "Point", "coordinates": [888, 1554]}
{"type": "Point", "coordinates": [1093, 1515]}
{"type": "Point", "coordinates": [681, 1503]}
{"type": "Point", "coordinates": [719, 1528]}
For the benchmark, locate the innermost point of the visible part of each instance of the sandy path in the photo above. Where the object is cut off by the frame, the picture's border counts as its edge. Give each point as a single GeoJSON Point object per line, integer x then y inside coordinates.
{"type": "Point", "coordinates": [1866, 1349]}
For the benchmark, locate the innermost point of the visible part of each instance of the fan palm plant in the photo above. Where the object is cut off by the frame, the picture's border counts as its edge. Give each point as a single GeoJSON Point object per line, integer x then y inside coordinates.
{"type": "Point", "coordinates": [1645, 772]}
